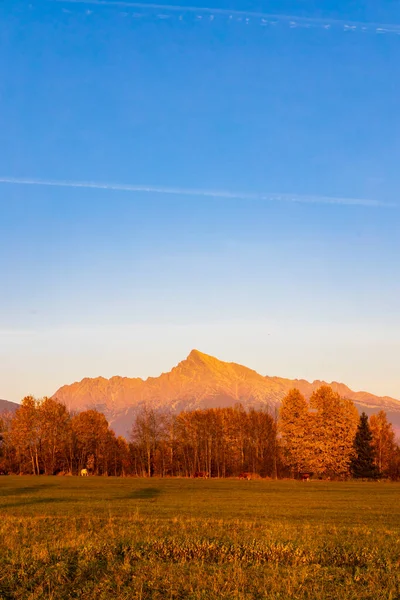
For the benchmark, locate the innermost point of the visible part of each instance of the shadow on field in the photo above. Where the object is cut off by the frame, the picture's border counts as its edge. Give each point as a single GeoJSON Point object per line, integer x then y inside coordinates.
{"type": "Point", "coordinates": [32, 489]}
{"type": "Point", "coordinates": [144, 494]}
{"type": "Point", "coordinates": [35, 501]}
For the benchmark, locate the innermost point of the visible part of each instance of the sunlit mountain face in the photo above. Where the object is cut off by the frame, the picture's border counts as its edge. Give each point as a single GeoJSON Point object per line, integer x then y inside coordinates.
{"type": "Point", "coordinates": [201, 381]}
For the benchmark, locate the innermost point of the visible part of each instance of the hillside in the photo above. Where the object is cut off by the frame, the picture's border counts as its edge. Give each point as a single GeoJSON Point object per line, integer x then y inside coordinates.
{"type": "Point", "coordinates": [5, 405]}
{"type": "Point", "coordinates": [200, 381]}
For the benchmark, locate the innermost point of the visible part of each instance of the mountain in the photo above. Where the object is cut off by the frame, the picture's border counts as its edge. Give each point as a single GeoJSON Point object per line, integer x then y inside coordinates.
{"type": "Point", "coordinates": [5, 405]}
{"type": "Point", "coordinates": [201, 381]}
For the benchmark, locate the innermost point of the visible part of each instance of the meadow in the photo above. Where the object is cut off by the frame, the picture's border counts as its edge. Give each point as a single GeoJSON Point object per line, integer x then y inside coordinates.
{"type": "Point", "coordinates": [199, 539]}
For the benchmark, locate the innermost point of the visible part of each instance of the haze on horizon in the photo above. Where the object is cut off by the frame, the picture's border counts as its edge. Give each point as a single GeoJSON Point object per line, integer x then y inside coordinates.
{"type": "Point", "coordinates": [127, 281]}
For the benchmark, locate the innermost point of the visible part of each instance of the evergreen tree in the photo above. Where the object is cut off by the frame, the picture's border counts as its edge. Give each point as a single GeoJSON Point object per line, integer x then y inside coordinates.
{"type": "Point", "coordinates": [363, 459]}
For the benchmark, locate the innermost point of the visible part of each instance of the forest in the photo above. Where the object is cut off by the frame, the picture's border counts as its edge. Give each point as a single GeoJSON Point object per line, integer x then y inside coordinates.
{"type": "Point", "coordinates": [323, 436]}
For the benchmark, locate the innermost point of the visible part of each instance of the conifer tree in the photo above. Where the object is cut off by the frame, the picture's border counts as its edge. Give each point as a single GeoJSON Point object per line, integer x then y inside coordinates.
{"type": "Point", "coordinates": [363, 460]}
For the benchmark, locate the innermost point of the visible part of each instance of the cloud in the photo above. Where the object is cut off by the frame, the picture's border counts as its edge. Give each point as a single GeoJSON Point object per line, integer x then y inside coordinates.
{"type": "Point", "coordinates": [178, 191]}
{"type": "Point", "coordinates": [292, 21]}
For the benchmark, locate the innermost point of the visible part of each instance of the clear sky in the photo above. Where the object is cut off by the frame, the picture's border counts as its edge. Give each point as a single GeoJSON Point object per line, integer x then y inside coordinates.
{"type": "Point", "coordinates": [291, 267]}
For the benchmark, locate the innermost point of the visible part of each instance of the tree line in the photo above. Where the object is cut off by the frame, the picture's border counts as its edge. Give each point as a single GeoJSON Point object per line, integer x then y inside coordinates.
{"type": "Point", "coordinates": [324, 437]}
{"type": "Point", "coordinates": [327, 437]}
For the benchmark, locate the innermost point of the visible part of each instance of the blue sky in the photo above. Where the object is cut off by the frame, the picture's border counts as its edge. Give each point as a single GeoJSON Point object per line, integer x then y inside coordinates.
{"type": "Point", "coordinates": [105, 281]}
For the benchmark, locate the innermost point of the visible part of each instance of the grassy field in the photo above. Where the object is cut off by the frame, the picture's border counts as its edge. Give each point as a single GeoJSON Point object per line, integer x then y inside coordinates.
{"type": "Point", "coordinates": [136, 538]}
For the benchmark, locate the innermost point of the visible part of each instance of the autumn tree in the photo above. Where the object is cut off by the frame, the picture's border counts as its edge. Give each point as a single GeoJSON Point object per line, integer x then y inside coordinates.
{"type": "Point", "coordinates": [25, 436]}
{"type": "Point", "coordinates": [224, 442]}
{"type": "Point", "coordinates": [55, 434]}
{"type": "Point", "coordinates": [148, 431]}
{"type": "Point", "coordinates": [363, 458]}
{"type": "Point", "coordinates": [383, 441]}
{"type": "Point", "coordinates": [2, 443]}
{"type": "Point", "coordinates": [334, 426]}
{"type": "Point", "coordinates": [109, 450]}
{"type": "Point", "coordinates": [261, 442]}
{"type": "Point", "coordinates": [394, 470]}
{"type": "Point", "coordinates": [122, 463]}
{"type": "Point", "coordinates": [7, 453]}
{"type": "Point", "coordinates": [90, 432]}
{"type": "Point", "coordinates": [295, 429]}
{"type": "Point", "coordinates": [186, 442]}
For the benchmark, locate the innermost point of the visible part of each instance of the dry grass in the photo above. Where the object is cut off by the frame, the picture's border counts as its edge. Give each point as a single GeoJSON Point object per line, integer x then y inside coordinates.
{"type": "Point", "coordinates": [115, 538]}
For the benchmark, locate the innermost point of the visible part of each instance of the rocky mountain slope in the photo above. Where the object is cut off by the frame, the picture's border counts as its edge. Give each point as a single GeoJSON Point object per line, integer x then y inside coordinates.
{"type": "Point", "coordinates": [200, 381]}
{"type": "Point", "coordinates": [5, 405]}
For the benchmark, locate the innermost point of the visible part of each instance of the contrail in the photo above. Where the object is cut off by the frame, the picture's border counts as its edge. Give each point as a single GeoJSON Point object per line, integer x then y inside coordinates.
{"type": "Point", "coordinates": [218, 194]}
{"type": "Point", "coordinates": [293, 20]}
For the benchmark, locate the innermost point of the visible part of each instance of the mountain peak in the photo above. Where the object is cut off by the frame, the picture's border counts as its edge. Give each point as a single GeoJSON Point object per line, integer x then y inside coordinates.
{"type": "Point", "coordinates": [200, 381]}
{"type": "Point", "coordinates": [197, 356]}
{"type": "Point", "coordinates": [197, 359]}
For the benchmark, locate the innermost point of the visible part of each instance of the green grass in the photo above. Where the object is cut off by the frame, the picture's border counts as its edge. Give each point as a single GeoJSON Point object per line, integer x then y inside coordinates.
{"type": "Point", "coordinates": [98, 538]}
